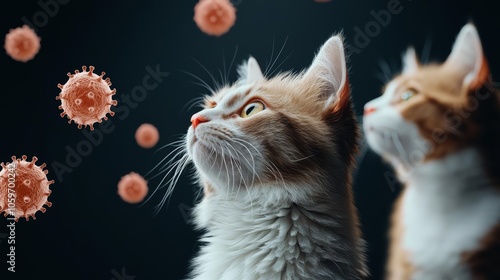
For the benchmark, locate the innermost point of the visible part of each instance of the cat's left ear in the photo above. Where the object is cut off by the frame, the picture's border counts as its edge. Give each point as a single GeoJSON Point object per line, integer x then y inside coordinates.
{"type": "Point", "coordinates": [328, 73]}
{"type": "Point", "coordinates": [250, 71]}
{"type": "Point", "coordinates": [467, 59]}
{"type": "Point", "coordinates": [410, 61]}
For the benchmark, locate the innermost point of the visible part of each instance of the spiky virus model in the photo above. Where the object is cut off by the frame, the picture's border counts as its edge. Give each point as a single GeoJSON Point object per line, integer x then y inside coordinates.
{"type": "Point", "coordinates": [24, 188]}
{"type": "Point", "coordinates": [86, 98]}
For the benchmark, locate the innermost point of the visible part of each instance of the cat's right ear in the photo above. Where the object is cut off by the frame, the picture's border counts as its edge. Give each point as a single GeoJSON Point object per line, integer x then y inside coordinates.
{"type": "Point", "coordinates": [467, 58]}
{"type": "Point", "coordinates": [250, 71]}
{"type": "Point", "coordinates": [410, 61]}
{"type": "Point", "coordinates": [328, 74]}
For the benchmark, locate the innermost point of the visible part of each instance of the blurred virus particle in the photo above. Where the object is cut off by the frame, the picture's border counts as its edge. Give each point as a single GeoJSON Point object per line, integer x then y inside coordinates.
{"type": "Point", "coordinates": [132, 188]}
{"type": "Point", "coordinates": [86, 98]}
{"type": "Point", "coordinates": [147, 135]}
{"type": "Point", "coordinates": [22, 44]}
{"type": "Point", "coordinates": [322, 1]}
{"type": "Point", "coordinates": [214, 17]}
{"type": "Point", "coordinates": [24, 188]}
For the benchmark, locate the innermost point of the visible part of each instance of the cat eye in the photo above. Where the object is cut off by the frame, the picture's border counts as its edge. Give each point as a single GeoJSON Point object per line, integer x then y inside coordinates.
{"type": "Point", "coordinates": [252, 109]}
{"type": "Point", "coordinates": [408, 94]}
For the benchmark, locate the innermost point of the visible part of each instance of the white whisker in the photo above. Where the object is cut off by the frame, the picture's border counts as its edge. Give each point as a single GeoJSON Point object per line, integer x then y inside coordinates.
{"type": "Point", "coordinates": [202, 82]}
{"type": "Point", "coordinates": [277, 57]}
{"type": "Point", "coordinates": [216, 84]}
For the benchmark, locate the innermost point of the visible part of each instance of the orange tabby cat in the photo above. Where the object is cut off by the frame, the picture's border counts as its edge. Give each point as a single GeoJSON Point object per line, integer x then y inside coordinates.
{"type": "Point", "coordinates": [275, 156]}
{"type": "Point", "coordinates": [439, 126]}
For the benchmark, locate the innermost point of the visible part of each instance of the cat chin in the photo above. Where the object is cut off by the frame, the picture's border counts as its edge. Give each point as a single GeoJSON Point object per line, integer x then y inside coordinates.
{"type": "Point", "coordinates": [397, 140]}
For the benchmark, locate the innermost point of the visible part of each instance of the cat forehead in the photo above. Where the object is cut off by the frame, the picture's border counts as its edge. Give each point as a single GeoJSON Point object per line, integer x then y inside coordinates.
{"type": "Point", "coordinates": [229, 96]}
{"type": "Point", "coordinates": [432, 80]}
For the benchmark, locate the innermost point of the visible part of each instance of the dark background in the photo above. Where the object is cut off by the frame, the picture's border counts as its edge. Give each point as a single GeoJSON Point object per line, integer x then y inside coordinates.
{"type": "Point", "coordinates": [90, 233]}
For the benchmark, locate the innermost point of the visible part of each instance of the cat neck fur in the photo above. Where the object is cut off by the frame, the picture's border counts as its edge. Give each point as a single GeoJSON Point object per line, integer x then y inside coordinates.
{"type": "Point", "coordinates": [268, 235]}
{"type": "Point", "coordinates": [442, 203]}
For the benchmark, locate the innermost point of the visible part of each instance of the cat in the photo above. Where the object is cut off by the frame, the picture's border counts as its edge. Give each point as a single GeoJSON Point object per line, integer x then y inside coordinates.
{"type": "Point", "coordinates": [274, 157]}
{"type": "Point", "coordinates": [438, 125]}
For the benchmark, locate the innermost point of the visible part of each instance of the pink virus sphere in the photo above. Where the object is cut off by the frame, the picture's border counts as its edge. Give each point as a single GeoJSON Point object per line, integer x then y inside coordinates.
{"type": "Point", "coordinates": [86, 98]}
{"type": "Point", "coordinates": [24, 188]}
{"type": "Point", "coordinates": [214, 17]}
{"type": "Point", "coordinates": [147, 135]}
{"type": "Point", "coordinates": [132, 188]}
{"type": "Point", "coordinates": [22, 44]}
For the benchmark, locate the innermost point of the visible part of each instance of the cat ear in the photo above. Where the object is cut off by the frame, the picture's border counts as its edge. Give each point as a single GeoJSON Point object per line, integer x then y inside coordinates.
{"type": "Point", "coordinates": [250, 71]}
{"type": "Point", "coordinates": [328, 73]}
{"type": "Point", "coordinates": [467, 58]}
{"type": "Point", "coordinates": [410, 61]}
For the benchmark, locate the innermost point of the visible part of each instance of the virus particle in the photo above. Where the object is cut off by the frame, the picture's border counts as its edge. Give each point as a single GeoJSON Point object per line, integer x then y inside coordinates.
{"type": "Point", "coordinates": [132, 188]}
{"type": "Point", "coordinates": [22, 44]}
{"type": "Point", "coordinates": [86, 98]}
{"type": "Point", "coordinates": [24, 188]}
{"type": "Point", "coordinates": [147, 135]}
{"type": "Point", "coordinates": [214, 17]}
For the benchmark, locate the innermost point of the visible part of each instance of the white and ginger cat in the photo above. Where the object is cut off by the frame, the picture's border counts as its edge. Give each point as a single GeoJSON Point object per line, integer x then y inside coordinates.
{"type": "Point", "coordinates": [439, 126]}
{"type": "Point", "coordinates": [275, 156]}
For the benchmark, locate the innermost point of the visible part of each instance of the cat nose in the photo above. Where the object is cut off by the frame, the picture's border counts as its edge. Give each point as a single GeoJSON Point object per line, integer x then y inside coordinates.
{"type": "Point", "coordinates": [197, 119]}
{"type": "Point", "coordinates": [369, 110]}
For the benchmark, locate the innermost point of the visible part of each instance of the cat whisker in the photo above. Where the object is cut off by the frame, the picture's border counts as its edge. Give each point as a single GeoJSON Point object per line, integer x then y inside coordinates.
{"type": "Point", "coordinates": [238, 166]}
{"type": "Point", "coordinates": [202, 82]}
{"type": "Point", "coordinates": [252, 164]}
{"type": "Point", "coordinates": [172, 182]}
{"type": "Point", "coordinates": [170, 168]}
{"type": "Point", "coordinates": [301, 159]}
{"type": "Point", "coordinates": [193, 102]}
{"type": "Point", "coordinates": [197, 178]}
{"type": "Point", "coordinates": [166, 157]}
{"type": "Point", "coordinates": [212, 151]}
{"type": "Point", "coordinates": [198, 194]}
{"type": "Point", "coordinates": [226, 168]}
{"type": "Point", "coordinates": [399, 147]}
{"type": "Point", "coordinates": [278, 67]}
{"type": "Point", "coordinates": [217, 85]}
{"type": "Point", "coordinates": [280, 175]}
{"type": "Point", "coordinates": [178, 151]}
{"type": "Point", "coordinates": [224, 77]}
{"type": "Point", "coordinates": [277, 57]}
{"type": "Point", "coordinates": [231, 64]}
{"type": "Point", "coordinates": [241, 174]}
{"type": "Point", "coordinates": [173, 143]}
{"type": "Point", "coordinates": [233, 184]}
{"type": "Point", "coordinates": [273, 169]}
{"type": "Point", "coordinates": [271, 59]}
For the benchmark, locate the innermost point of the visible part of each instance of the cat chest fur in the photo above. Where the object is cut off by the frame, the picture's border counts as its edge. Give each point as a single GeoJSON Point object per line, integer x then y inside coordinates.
{"type": "Point", "coordinates": [441, 217]}
{"type": "Point", "coordinates": [255, 241]}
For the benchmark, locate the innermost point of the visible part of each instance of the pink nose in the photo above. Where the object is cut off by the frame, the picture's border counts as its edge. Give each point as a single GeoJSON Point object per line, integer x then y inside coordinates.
{"type": "Point", "coordinates": [369, 110]}
{"type": "Point", "coordinates": [197, 119]}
